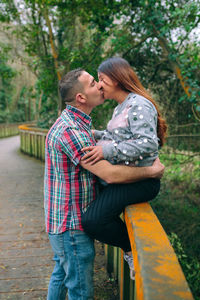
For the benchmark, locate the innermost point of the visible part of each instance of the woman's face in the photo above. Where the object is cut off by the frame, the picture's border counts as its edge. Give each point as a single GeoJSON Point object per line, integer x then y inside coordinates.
{"type": "Point", "coordinates": [107, 85]}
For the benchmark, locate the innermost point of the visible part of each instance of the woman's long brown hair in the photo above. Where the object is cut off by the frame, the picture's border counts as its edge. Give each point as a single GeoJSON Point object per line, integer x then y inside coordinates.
{"type": "Point", "coordinates": [119, 70]}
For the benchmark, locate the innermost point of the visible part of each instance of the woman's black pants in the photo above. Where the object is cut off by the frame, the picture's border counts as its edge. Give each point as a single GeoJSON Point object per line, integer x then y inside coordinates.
{"type": "Point", "coordinates": [102, 219]}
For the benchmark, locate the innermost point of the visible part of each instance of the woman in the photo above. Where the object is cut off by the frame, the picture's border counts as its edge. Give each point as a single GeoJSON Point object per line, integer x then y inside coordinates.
{"type": "Point", "coordinates": [132, 137]}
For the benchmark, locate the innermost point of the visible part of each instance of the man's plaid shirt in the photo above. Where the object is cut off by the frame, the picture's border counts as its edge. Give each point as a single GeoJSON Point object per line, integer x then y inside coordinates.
{"type": "Point", "coordinates": [68, 188]}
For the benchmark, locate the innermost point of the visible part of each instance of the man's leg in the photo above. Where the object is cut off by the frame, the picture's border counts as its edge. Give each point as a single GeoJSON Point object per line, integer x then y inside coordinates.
{"type": "Point", "coordinates": [79, 279]}
{"type": "Point", "coordinates": [102, 221]}
{"type": "Point", "coordinates": [57, 289]}
{"type": "Point", "coordinates": [75, 251]}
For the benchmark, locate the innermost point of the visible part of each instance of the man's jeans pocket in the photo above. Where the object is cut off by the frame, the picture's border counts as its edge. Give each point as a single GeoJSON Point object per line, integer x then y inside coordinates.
{"type": "Point", "coordinates": [57, 244]}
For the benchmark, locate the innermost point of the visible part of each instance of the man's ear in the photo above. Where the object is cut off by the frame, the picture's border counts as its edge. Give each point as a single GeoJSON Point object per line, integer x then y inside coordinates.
{"type": "Point", "coordinates": [80, 98]}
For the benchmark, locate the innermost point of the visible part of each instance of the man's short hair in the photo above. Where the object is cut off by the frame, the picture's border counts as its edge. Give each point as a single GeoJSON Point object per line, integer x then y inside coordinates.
{"type": "Point", "coordinates": [69, 85]}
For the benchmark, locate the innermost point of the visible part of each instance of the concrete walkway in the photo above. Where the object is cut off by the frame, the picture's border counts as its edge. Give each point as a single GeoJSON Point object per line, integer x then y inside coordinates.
{"type": "Point", "coordinates": [25, 254]}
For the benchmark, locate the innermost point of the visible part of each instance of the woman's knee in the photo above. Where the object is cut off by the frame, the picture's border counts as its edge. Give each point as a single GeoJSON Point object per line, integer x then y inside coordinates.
{"type": "Point", "coordinates": [152, 189]}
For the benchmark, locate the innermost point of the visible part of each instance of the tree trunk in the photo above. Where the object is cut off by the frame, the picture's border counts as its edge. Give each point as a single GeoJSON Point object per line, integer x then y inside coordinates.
{"type": "Point", "coordinates": [54, 53]}
{"type": "Point", "coordinates": [174, 63]}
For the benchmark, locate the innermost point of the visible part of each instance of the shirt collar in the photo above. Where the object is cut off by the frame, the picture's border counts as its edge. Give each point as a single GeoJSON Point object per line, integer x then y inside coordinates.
{"type": "Point", "coordinates": [78, 114]}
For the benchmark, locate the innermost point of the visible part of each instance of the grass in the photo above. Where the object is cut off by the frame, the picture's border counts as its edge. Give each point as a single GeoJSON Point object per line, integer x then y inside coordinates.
{"type": "Point", "coordinates": [178, 209]}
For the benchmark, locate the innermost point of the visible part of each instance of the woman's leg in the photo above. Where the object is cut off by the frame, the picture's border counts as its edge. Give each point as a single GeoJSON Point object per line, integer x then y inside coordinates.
{"type": "Point", "coordinates": [102, 222]}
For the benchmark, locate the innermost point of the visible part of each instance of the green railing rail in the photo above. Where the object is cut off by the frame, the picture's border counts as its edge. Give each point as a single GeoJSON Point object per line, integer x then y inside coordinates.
{"type": "Point", "coordinates": [158, 273]}
{"type": "Point", "coordinates": [11, 129]}
{"type": "Point", "coordinates": [8, 130]}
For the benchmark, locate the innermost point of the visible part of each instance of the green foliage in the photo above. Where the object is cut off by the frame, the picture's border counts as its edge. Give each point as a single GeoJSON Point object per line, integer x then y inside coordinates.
{"type": "Point", "coordinates": [189, 264]}
{"type": "Point", "coordinates": [48, 112]}
{"type": "Point", "coordinates": [177, 207]}
{"type": "Point", "coordinates": [6, 76]}
{"type": "Point", "coordinates": [22, 110]}
{"type": "Point", "coordinates": [161, 42]}
{"type": "Point", "coordinates": [155, 37]}
{"type": "Point", "coordinates": [79, 33]}
{"type": "Point", "coordinates": [176, 174]}
{"type": "Point", "coordinates": [102, 114]}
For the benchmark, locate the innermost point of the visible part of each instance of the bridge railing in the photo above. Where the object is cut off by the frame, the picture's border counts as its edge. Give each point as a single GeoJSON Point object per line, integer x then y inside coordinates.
{"type": "Point", "coordinates": [158, 273]}
{"type": "Point", "coordinates": [184, 137]}
{"type": "Point", "coordinates": [8, 130]}
{"type": "Point", "coordinates": [32, 141]}
{"type": "Point", "coordinates": [11, 129]}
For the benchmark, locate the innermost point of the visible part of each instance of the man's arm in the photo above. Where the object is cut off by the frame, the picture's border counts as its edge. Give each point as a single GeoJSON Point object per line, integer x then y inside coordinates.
{"type": "Point", "coordinates": [124, 174]}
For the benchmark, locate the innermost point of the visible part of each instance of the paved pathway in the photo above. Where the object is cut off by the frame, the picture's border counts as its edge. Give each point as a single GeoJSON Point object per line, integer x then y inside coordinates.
{"type": "Point", "coordinates": [25, 254]}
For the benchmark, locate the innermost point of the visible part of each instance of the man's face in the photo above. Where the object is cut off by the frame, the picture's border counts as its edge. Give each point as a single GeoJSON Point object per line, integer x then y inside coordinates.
{"type": "Point", "coordinates": [107, 85]}
{"type": "Point", "coordinates": [91, 90]}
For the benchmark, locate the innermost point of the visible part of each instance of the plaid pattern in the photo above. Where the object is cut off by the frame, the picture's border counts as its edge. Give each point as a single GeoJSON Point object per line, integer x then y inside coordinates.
{"type": "Point", "coordinates": [68, 188]}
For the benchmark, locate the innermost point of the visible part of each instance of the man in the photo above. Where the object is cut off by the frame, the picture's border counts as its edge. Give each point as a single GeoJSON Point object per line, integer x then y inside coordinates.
{"type": "Point", "coordinates": [70, 186]}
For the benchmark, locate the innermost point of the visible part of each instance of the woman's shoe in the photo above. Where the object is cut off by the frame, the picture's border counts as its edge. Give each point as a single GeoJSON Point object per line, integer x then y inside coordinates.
{"type": "Point", "coordinates": [129, 260]}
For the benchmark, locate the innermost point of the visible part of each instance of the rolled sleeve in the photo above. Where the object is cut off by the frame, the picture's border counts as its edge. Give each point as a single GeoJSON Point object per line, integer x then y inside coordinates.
{"type": "Point", "coordinates": [72, 141]}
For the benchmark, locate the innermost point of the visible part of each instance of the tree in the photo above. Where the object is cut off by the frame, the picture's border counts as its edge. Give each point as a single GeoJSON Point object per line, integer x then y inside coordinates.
{"type": "Point", "coordinates": [159, 36]}
{"type": "Point", "coordinates": [6, 75]}
{"type": "Point", "coordinates": [60, 36]}
{"type": "Point", "coordinates": [155, 37]}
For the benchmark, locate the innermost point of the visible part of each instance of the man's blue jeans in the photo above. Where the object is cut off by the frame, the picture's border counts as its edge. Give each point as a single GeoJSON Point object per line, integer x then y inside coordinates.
{"type": "Point", "coordinates": [73, 272]}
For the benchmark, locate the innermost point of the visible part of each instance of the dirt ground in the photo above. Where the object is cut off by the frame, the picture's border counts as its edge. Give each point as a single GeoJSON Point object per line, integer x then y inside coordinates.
{"type": "Point", "coordinates": [105, 288]}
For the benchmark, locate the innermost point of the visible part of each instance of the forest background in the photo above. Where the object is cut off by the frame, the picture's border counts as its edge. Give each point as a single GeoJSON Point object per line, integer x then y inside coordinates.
{"type": "Point", "coordinates": [40, 40]}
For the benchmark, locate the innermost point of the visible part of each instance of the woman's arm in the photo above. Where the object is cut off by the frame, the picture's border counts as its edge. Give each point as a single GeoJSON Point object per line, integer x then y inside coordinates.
{"type": "Point", "coordinates": [98, 134]}
{"type": "Point", "coordinates": [141, 140]}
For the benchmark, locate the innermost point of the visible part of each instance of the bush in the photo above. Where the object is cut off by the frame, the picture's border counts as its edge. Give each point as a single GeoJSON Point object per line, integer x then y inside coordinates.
{"type": "Point", "coordinates": [190, 265]}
